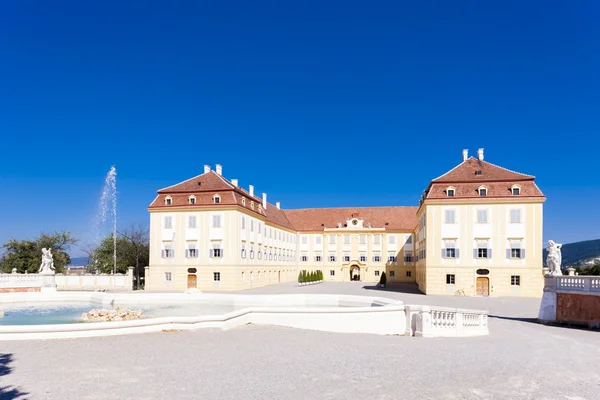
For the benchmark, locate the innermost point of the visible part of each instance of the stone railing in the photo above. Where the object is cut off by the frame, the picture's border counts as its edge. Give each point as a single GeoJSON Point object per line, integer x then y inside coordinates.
{"type": "Point", "coordinates": [431, 321]}
{"type": "Point", "coordinates": [14, 281]}
{"type": "Point", "coordinates": [95, 281]}
{"type": "Point", "coordinates": [585, 284]}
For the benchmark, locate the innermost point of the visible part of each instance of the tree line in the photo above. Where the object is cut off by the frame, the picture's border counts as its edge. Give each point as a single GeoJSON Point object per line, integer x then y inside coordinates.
{"type": "Point", "coordinates": [133, 250]}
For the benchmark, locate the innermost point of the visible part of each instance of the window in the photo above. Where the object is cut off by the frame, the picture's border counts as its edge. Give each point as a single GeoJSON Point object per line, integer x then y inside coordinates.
{"type": "Point", "coordinates": [167, 251]}
{"type": "Point", "coordinates": [376, 258]}
{"type": "Point", "coordinates": [363, 257]}
{"type": "Point", "coordinates": [168, 200]}
{"type": "Point", "coordinates": [216, 221]}
{"type": "Point", "coordinates": [259, 254]}
{"type": "Point", "coordinates": [244, 201]}
{"type": "Point", "coordinates": [392, 275]}
{"type": "Point", "coordinates": [216, 276]}
{"type": "Point", "coordinates": [450, 251]}
{"type": "Point", "coordinates": [516, 190]}
{"type": "Point", "coordinates": [259, 227]}
{"type": "Point", "coordinates": [376, 239]}
{"type": "Point", "coordinates": [318, 240]}
{"type": "Point", "coordinates": [252, 205]}
{"type": "Point", "coordinates": [168, 276]}
{"type": "Point", "coordinates": [362, 239]}
{"type": "Point", "coordinates": [318, 258]}
{"type": "Point", "coordinates": [515, 250]}
{"type": "Point", "coordinates": [251, 225]}
{"type": "Point", "coordinates": [482, 250]}
{"type": "Point", "coordinates": [332, 258]}
{"type": "Point", "coordinates": [304, 239]}
{"type": "Point", "coordinates": [450, 192]}
{"type": "Point", "coordinates": [482, 191]}
{"type": "Point", "coordinates": [168, 221]}
{"type": "Point", "coordinates": [376, 273]}
{"type": "Point", "coordinates": [515, 216]}
{"type": "Point", "coordinates": [331, 272]}
{"type": "Point", "coordinates": [408, 274]}
{"type": "Point", "coordinates": [346, 239]}
{"type": "Point", "coordinates": [243, 222]}
{"type": "Point", "coordinates": [251, 252]}
{"type": "Point", "coordinates": [515, 280]}
{"type": "Point", "coordinates": [346, 257]}
{"type": "Point", "coordinates": [450, 217]}
{"type": "Point", "coordinates": [482, 216]}
{"type": "Point", "coordinates": [304, 258]}
{"type": "Point", "coordinates": [192, 221]}
{"type": "Point", "coordinates": [392, 239]}
{"type": "Point", "coordinates": [408, 256]}
{"type": "Point", "coordinates": [270, 256]}
{"type": "Point", "coordinates": [409, 239]}
{"type": "Point", "coordinates": [450, 279]}
{"type": "Point", "coordinates": [392, 257]}
{"type": "Point", "coordinates": [216, 199]}
{"type": "Point", "coordinates": [191, 251]}
{"type": "Point", "coordinates": [331, 239]}
{"type": "Point", "coordinates": [192, 200]}
{"type": "Point", "coordinates": [217, 251]}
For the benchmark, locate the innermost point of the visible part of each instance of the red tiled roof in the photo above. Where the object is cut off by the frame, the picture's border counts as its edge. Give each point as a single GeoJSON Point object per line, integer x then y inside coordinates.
{"type": "Point", "coordinates": [390, 218]}
{"type": "Point", "coordinates": [469, 175]}
{"type": "Point", "coordinates": [467, 172]}
{"type": "Point", "coordinates": [212, 183]}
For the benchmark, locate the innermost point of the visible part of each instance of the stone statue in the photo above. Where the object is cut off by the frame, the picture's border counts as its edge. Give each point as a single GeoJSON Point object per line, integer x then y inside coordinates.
{"type": "Point", "coordinates": [554, 258]}
{"type": "Point", "coordinates": [47, 267]}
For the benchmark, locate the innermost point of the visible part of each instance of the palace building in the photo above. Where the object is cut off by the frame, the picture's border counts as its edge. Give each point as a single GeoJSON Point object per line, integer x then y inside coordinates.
{"type": "Point", "coordinates": [476, 231]}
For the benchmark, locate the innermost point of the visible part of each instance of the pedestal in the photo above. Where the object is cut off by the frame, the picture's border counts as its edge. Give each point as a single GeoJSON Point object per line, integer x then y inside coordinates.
{"type": "Point", "coordinates": [48, 283]}
{"type": "Point", "coordinates": [548, 306]}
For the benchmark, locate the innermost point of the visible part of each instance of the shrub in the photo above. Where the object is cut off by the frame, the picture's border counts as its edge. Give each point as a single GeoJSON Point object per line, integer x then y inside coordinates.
{"type": "Point", "coordinates": [320, 275]}
{"type": "Point", "coordinates": [383, 279]}
{"type": "Point", "coordinates": [300, 277]}
{"type": "Point", "coordinates": [303, 276]}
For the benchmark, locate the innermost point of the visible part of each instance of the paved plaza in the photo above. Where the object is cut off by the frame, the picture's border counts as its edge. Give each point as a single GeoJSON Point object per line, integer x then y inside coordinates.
{"type": "Point", "coordinates": [520, 359]}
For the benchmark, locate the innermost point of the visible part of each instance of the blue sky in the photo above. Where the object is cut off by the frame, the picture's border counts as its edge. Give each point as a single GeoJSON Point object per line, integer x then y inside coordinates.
{"type": "Point", "coordinates": [316, 103]}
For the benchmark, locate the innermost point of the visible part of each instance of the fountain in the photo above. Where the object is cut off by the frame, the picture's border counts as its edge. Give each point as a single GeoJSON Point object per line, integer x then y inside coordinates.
{"type": "Point", "coordinates": [108, 208]}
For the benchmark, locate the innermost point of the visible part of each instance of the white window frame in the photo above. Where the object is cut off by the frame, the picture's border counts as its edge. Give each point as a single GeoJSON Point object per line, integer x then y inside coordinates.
{"type": "Point", "coordinates": [190, 219]}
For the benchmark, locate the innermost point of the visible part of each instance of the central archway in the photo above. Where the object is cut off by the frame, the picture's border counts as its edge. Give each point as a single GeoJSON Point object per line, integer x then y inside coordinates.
{"type": "Point", "coordinates": [355, 273]}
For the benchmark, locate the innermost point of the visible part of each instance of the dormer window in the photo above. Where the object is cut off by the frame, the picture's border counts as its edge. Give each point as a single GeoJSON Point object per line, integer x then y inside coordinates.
{"type": "Point", "coordinates": [482, 191]}
{"type": "Point", "coordinates": [478, 172]}
{"type": "Point", "coordinates": [450, 192]}
{"type": "Point", "coordinates": [168, 200]}
{"type": "Point", "coordinates": [244, 201]}
{"type": "Point", "coordinates": [192, 199]}
{"type": "Point", "coordinates": [216, 199]}
{"type": "Point", "coordinates": [516, 190]}
{"type": "Point", "coordinates": [252, 205]}
{"type": "Point", "coordinates": [260, 209]}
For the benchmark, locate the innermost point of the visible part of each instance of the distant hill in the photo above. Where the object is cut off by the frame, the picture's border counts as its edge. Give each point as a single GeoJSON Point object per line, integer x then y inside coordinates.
{"type": "Point", "coordinates": [578, 253]}
{"type": "Point", "coordinates": [78, 262]}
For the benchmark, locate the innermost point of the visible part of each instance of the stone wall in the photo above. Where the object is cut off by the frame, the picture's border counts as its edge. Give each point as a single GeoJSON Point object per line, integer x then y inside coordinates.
{"type": "Point", "coordinates": [577, 307]}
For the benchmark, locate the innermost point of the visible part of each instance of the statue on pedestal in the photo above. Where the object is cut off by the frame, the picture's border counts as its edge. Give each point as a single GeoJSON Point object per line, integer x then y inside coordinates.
{"type": "Point", "coordinates": [47, 267]}
{"type": "Point", "coordinates": [554, 258]}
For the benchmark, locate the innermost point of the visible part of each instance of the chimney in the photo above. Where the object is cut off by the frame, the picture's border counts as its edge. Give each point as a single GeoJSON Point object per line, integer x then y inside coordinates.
{"type": "Point", "coordinates": [465, 154]}
{"type": "Point", "coordinates": [251, 190]}
{"type": "Point", "coordinates": [219, 169]}
{"type": "Point", "coordinates": [264, 201]}
{"type": "Point", "coordinates": [278, 205]}
{"type": "Point", "coordinates": [206, 169]}
{"type": "Point", "coordinates": [480, 154]}
{"type": "Point", "coordinates": [234, 182]}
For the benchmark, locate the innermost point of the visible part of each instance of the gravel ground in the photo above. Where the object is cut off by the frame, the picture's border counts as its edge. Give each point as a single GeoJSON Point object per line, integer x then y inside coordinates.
{"type": "Point", "coordinates": [519, 360]}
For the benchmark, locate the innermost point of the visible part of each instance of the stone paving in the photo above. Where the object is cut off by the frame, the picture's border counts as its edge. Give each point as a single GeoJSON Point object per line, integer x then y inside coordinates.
{"type": "Point", "coordinates": [519, 360]}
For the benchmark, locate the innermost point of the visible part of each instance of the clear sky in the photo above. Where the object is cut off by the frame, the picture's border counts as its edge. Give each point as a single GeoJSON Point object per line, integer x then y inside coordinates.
{"type": "Point", "coordinates": [317, 103]}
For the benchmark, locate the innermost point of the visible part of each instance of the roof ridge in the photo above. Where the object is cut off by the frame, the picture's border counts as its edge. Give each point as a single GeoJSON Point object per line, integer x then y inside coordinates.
{"type": "Point", "coordinates": [339, 208]}
{"type": "Point", "coordinates": [509, 170]}
{"type": "Point", "coordinates": [179, 183]}
{"type": "Point", "coordinates": [447, 172]}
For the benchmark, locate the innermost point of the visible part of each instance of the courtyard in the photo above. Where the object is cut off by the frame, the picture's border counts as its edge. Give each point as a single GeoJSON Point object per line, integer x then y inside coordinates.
{"type": "Point", "coordinates": [520, 359]}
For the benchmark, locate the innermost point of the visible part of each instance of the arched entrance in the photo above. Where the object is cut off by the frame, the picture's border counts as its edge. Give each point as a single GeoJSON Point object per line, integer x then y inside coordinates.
{"type": "Point", "coordinates": [191, 281]}
{"type": "Point", "coordinates": [355, 273]}
{"type": "Point", "coordinates": [483, 286]}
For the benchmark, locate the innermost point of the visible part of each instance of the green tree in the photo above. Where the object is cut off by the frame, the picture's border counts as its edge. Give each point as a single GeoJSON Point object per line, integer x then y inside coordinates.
{"type": "Point", "coordinates": [594, 270]}
{"type": "Point", "coordinates": [383, 279]}
{"type": "Point", "coordinates": [133, 250]}
{"type": "Point", "coordinates": [26, 255]}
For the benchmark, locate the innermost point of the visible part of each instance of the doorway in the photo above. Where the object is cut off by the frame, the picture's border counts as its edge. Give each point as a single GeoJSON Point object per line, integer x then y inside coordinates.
{"type": "Point", "coordinates": [483, 287]}
{"type": "Point", "coordinates": [355, 273]}
{"type": "Point", "coordinates": [191, 282]}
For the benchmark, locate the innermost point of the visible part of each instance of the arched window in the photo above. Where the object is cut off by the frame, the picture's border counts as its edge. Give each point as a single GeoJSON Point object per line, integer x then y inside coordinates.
{"type": "Point", "coordinates": [515, 190]}
{"type": "Point", "coordinates": [192, 199]}
{"type": "Point", "coordinates": [450, 191]}
{"type": "Point", "coordinates": [482, 191]}
{"type": "Point", "coordinates": [216, 199]}
{"type": "Point", "coordinates": [168, 200]}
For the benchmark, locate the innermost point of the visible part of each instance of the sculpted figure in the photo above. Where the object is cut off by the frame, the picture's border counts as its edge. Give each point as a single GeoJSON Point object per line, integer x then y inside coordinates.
{"type": "Point", "coordinates": [47, 266]}
{"type": "Point", "coordinates": [554, 258]}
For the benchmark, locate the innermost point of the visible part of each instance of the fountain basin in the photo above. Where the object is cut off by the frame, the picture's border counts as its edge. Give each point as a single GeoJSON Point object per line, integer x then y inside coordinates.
{"type": "Point", "coordinates": [334, 313]}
